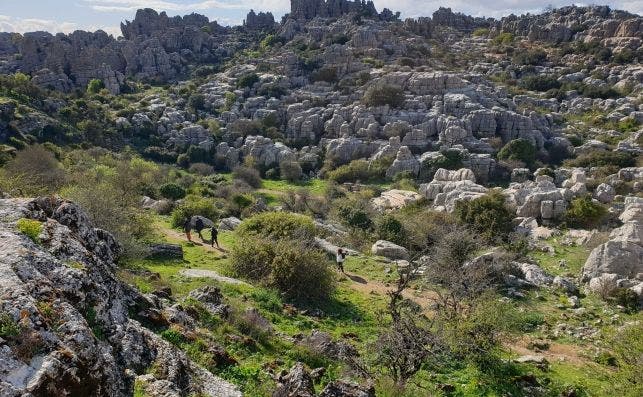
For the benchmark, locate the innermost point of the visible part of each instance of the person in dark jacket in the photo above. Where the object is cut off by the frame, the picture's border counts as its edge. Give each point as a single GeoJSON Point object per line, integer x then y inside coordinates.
{"type": "Point", "coordinates": [187, 228]}
{"type": "Point", "coordinates": [215, 234]}
{"type": "Point", "coordinates": [198, 226]}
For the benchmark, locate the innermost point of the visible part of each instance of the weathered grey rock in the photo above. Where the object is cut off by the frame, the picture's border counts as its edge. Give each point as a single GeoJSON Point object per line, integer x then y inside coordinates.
{"type": "Point", "coordinates": [341, 388]}
{"type": "Point", "coordinates": [605, 193]}
{"type": "Point", "coordinates": [389, 250]}
{"type": "Point", "coordinates": [165, 250]}
{"type": "Point", "coordinates": [230, 223]}
{"type": "Point", "coordinates": [296, 383]}
{"type": "Point", "coordinates": [35, 273]}
{"type": "Point", "coordinates": [623, 253]}
{"type": "Point", "coordinates": [394, 199]}
{"type": "Point", "coordinates": [405, 162]}
{"type": "Point", "coordinates": [535, 274]}
{"type": "Point", "coordinates": [260, 21]}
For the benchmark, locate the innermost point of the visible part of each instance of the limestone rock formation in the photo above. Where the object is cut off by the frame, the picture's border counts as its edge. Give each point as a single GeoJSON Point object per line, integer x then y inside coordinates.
{"type": "Point", "coordinates": [94, 341]}
{"type": "Point", "coordinates": [622, 255]}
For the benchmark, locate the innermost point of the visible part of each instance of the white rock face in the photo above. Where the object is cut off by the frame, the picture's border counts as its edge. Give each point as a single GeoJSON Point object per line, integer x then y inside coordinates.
{"type": "Point", "coordinates": [449, 187]}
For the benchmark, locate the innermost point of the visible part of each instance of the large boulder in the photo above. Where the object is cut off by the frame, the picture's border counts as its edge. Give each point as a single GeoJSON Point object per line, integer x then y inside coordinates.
{"type": "Point", "coordinates": [395, 199]}
{"type": "Point", "coordinates": [622, 254]}
{"type": "Point", "coordinates": [389, 250]}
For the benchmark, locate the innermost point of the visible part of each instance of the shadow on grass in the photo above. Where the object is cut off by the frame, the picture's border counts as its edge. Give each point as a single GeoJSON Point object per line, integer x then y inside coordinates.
{"type": "Point", "coordinates": [357, 278]}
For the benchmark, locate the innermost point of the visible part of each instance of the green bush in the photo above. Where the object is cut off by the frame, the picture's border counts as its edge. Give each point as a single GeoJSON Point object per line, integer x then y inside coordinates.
{"type": "Point", "coordinates": [247, 80]}
{"type": "Point", "coordinates": [356, 170]}
{"type": "Point", "coordinates": [247, 174]}
{"type": "Point", "coordinates": [530, 57]}
{"type": "Point", "coordinates": [328, 75]}
{"type": "Point", "coordinates": [518, 149]}
{"type": "Point", "coordinates": [627, 298]}
{"type": "Point", "coordinates": [602, 159]}
{"type": "Point", "coordinates": [354, 217]}
{"type": "Point", "coordinates": [390, 229]}
{"type": "Point", "coordinates": [277, 225]}
{"type": "Point", "coordinates": [487, 215]}
{"type": "Point", "coordinates": [290, 171]}
{"type": "Point", "coordinates": [290, 266]}
{"type": "Point", "coordinates": [30, 227]}
{"type": "Point", "coordinates": [479, 32]}
{"type": "Point", "coordinates": [584, 212]}
{"type": "Point", "coordinates": [540, 83]}
{"type": "Point", "coordinates": [194, 205]}
{"type": "Point", "coordinates": [384, 94]}
{"type": "Point", "coordinates": [172, 191]}
{"type": "Point", "coordinates": [95, 86]}
{"type": "Point", "coordinates": [503, 38]}
{"type": "Point", "coordinates": [8, 326]}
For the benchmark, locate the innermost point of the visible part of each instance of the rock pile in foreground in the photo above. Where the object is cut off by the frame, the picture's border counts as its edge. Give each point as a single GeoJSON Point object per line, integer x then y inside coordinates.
{"type": "Point", "coordinates": [69, 326]}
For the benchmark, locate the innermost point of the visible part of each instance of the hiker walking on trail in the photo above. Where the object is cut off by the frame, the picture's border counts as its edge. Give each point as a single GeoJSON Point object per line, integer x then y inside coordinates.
{"type": "Point", "coordinates": [187, 228]}
{"type": "Point", "coordinates": [341, 255]}
{"type": "Point", "coordinates": [215, 234]}
{"type": "Point", "coordinates": [198, 226]}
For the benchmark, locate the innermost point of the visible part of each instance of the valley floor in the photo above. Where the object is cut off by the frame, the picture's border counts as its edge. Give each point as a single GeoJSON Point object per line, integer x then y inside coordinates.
{"type": "Point", "coordinates": [565, 343]}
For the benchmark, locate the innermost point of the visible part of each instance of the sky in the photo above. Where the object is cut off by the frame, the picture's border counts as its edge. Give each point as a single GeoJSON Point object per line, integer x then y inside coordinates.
{"type": "Point", "coordinates": [69, 15]}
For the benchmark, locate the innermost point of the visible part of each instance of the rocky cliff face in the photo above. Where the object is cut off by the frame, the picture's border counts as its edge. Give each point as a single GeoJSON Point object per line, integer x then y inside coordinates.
{"type": "Point", "coordinates": [614, 28]}
{"type": "Point", "coordinates": [69, 326]}
{"type": "Point", "coordinates": [155, 48]}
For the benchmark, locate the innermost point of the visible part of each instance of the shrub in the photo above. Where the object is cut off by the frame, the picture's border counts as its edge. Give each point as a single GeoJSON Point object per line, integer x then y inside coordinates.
{"type": "Point", "coordinates": [602, 159]}
{"type": "Point", "coordinates": [299, 272]}
{"type": "Point", "coordinates": [354, 217]}
{"type": "Point", "coordinates": [30, 227]}
{"type": "Point", "coordinates": [202, 169]}
{"type": "Point", "coordinates": [328, 75]}
{"type": "Point", "coordinates": [290, 170]}
{"type": "Point", "coordinates": [479, 32]}
{"type": "Point", "coordinates": [627, 298]}
{"type": "Point", "coordinates": [406, 62]}
{"type": "Point", "coordinates": [194, 205]}
{"type": "Point", "coordinates": [384, 94]}
{"type": "Point", "coordinates": [247, 174]}
{"type": "Point", "coordinates": [584, 212]}
{"type": "Point", "coordinates": [172, 191]}
{"type": "Point", "coordinates": [530, 57]}
{"type": "Point", "coordinates": [624, 56]}
{"type": "Point", "coordinates": [8, 326]}
{"type": "Point", "coordinates": [503, 38]}
{"type": "Point", "coordinates": [356, 170]}
{"type": "Point", "coordinates": [602, 92]}
{"type": "Point", "coordinates": [95, 86]}
{"type": "Point", "coordinates": [518, 149]}
{"type": "Point", "coordinates": [247, 80]}
{"type": "Point", "coordinates": [278, 225]}
{"type": "Point", "coordinates": [540, 83]}
{"type": "Point", "coordinates": [196, 102]}
{"type": "Point", "coordinates": [487, 215]}
{"type": "Point", "coordinates": [390, 229]}
{"type": "Point", "coordinates": [35, 171]}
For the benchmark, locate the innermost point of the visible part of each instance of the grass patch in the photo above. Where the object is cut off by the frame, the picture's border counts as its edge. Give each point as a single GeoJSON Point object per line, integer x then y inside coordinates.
{"type": "Point", "coordinates": [31, 228]}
